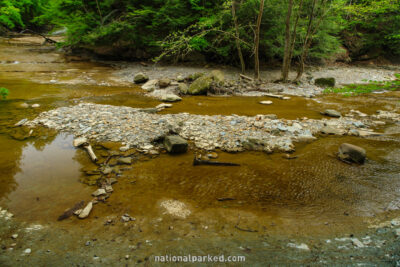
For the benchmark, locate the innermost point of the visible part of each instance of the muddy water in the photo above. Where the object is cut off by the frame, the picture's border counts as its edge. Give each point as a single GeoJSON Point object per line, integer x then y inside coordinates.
{"type": "Point", "coordinates": [41, 175]}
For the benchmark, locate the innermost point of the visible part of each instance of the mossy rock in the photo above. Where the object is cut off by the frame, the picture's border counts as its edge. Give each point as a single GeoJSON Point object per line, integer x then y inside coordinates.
{"type": "Point", "coordinates": [201, 85]}
{"type": "Point", "coordinates": [325, 82]}
{"type": "Point", "coordinates": [218, 76]}
{"type": "Point", "coordinates": [195, 76]}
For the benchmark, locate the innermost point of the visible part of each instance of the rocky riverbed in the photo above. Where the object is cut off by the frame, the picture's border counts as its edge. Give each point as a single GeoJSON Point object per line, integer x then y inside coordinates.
{"type": "Point", "coordinates": [137, 128]}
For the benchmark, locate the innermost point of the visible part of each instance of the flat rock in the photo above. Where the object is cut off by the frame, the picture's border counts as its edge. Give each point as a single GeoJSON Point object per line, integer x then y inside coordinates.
{"type": "Point", "coordinates": [150, 86]}
{"type": "Point", "coordinates": [331, 113]}
{"type": "Point", "coordinates": [266, 102]}
{"type": "Point", "coordinates": [163, 105]}
{"type": "Point", "coordinates": [99, 192]}
{"type": "Point", "coordinates": [175, 144]}
{"type": "Point", "coordinates": [35, 106]}
{"type": "Point", "coordinates": [125, 160]}
{"type": "Point", "coordinates": [79, 141]}
{"type": "Point", "coordinates": [86, 211]}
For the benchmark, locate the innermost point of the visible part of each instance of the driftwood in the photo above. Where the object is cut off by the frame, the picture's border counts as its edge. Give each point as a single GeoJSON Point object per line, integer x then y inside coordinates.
{"type": "Point", "coordinates": [71, 211]}
{"type": "Point", "coordinates": [47, 39]}
{"type": "Point", "coordinates": [213, 163]}
{"type": "Point", "coordinates": [82, 142]}
{"type": "Point", "coordinates": [246, 77]}
{"type": "Point", "coordinates": [89, 150]}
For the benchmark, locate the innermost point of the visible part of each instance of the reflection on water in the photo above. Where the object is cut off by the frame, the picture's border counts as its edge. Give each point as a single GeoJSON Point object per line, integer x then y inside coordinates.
{"type": "Point", "coordinates": [40, 173]}
{"type": "Point", "coordinates": [45, 179]}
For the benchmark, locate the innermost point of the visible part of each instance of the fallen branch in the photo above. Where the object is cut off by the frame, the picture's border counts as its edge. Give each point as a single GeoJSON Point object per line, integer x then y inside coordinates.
{"type": "Point", "coordinates": [242, 229]}
{"type": "Point", "coordinates": [71, 211]}
{"type": "Point", "coordinates": [49, 40]}
{"type": "Point", "coordinates": [213, 163]}
{"type": "Point", "coordinates": [246, 77]}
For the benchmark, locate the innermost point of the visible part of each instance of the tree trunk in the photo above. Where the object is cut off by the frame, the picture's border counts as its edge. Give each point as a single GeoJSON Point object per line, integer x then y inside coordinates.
{"type": "Point", "coordinates": [294, 34]}
{"type": "Point", "coordinates": [257, 42]}
{"type": "Point", "coordinates": [242, 64]}
{"type": "Point", "coordinates": [307, 43]}
{"type": "Point", "coordinates": [285, 64]}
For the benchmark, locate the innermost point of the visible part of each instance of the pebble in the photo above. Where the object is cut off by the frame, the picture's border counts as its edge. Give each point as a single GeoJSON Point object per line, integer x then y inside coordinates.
{"type": "Point", "coordinates": [27, 251]}
{"type": "Point", "coordinates": [14, 236]}
{"type": "Point", "coordinates": [35, 106]}
{"type": "Point", "coordinates": [267, 102]}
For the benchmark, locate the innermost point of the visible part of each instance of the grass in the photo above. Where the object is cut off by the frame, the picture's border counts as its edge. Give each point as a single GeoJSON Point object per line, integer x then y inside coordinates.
{"type": "Point", "coordinates": [3, 92]}
{"type": "Point", "coordinates": [372, 86]}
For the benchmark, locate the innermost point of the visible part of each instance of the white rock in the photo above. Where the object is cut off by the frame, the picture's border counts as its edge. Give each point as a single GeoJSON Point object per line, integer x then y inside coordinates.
{"type": "Point", "coordinates": [163, 105]}
{"type": "Point", "coordinates": [86, 211]}
{"type": "Point", "coordinates": [176, 208]}
{"type": "Point", "coordinates": [35, 106]}
{"type": "Point", "coordinates": [79, 141]}
{"type": "Point", "coordinates": [14, 236]}
{"type": "Point", "coordinates": [99, 192]}
{"type": "Point", "coordinates": [301, 246]}
{"type": "Point", "coordinates": [357, 243]}
{"type": "Point", "coordinates": [150, 86]}
{"type": "Point", "coordinates": [266, 102]}
{"type": "Point", "coordinates": [27, 251]}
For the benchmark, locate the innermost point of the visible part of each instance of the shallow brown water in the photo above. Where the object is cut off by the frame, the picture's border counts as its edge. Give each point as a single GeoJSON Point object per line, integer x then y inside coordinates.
{"type": "Point", "coordinates": [40, 175]}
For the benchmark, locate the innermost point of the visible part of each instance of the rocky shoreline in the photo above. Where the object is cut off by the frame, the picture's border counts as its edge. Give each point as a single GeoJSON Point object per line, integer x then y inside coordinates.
{"type": "Point", "coordinates": [137, 128]}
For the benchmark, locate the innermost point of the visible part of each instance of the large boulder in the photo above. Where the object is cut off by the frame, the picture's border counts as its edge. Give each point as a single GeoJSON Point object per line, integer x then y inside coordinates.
{"type": "Point", "coordinates": [201, 85]}
{"type": "Point", "coordinates": [352, 153]}
{"type": "Point", "coordinates": [325, 82]}
{"type": "Point", "coordinates": [140, 78]}
{"type": "Point", "coordinates": [331, 113]}
{"type": "Point", "coordinates": [164, 82]}
{"type": "Point", "coordinates": [175, 144]}
{"type": "Point", "coordinates": [183, 88]}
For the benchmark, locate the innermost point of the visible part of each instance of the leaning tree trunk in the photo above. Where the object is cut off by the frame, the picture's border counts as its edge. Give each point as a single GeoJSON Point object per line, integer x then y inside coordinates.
{"type": "Point", "coordinates": [257, 42]}
{"type": "Point", "coordinates": [242, 64]}
{"type": "Point", "coordinates": [286, 59]}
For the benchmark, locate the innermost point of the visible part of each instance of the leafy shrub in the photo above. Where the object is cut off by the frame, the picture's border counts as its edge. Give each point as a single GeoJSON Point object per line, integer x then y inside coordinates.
{"type": "Point", "coordinates": [3, 92]}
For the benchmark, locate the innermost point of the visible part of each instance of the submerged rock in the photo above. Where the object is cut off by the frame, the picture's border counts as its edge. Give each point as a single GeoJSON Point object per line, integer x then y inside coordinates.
{"type": "Point", "coordinates": [352, 153]}
{"type": "Point", "coordinates": [125, 160]}
{"type": "Point", "coordinates": [266, 102]}
{"type": "Point", "coordinates": [175, 144]}
{"type": "Point", "coordinates": [35, 106]}
{"type": "Point", "coordinates": [140, 78]}
{"type": "Point", "coordinates": [331, 113]}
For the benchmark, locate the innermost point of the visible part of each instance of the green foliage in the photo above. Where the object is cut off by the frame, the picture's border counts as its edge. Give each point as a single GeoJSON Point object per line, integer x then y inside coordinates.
{"type": "Point", "coordinates": [18, 14]}
{"type": "Point", "coordinates": [3, 92]}
{"type": "Point", "coordinates": [372, 86]}
{"type": "Point", "coordinates": [372, 26]}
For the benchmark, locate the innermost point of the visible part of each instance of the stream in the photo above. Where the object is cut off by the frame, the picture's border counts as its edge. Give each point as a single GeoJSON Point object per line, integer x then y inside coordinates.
{"type": "Point", "coordinates": [269, 202]}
